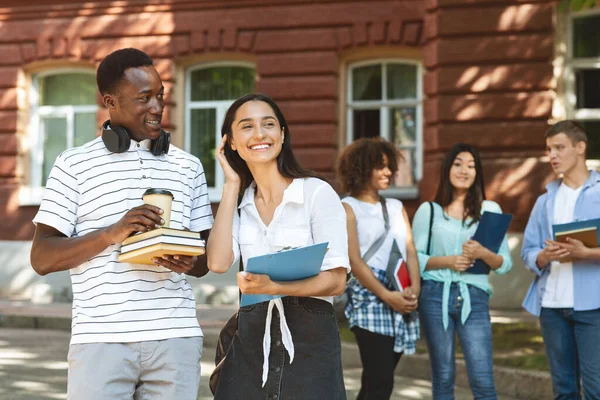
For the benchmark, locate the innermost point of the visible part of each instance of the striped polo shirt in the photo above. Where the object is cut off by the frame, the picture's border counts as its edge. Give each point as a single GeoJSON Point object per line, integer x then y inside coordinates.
{"type": "Point", "coordinates": [90, 188]}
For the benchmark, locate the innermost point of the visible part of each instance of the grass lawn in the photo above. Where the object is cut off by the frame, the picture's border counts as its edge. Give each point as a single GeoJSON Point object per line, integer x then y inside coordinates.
{"type": "Point", "coordinates": [517, 345]}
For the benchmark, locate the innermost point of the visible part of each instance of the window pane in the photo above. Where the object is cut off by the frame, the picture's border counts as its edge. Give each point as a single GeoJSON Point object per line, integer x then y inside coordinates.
{"type": "Point", "coordinates": [85, 128]}
{"type": "Point", "coordinates": [365, 123]}
{"type": "Point", "coordinates": [67, 89]}
{"type": "Point", "coordinates": [401, 81]}
{"type": "Point", "coordinates": [221, 83]}
{"type": "Point", "coordinates": [55, 142]}
{"type": "Point", "coordinates": [586, 36]}
{"type": "Point", "coordinates": [203, 128]}
{"type": "Point", "coordinates": [587, 82]}
{"type": "Point", "coordinates": [366, 83]}
{"type": "Point", "coordinates": [592, 128]}
{"type": "Point", "coordinates": [407, 165]}
{"type": "Point", "coordinates": [403, 125]}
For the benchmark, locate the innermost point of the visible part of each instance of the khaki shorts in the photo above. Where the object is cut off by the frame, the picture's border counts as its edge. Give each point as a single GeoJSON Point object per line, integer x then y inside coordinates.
{"type": "Point", "coordinates": [162, 370]}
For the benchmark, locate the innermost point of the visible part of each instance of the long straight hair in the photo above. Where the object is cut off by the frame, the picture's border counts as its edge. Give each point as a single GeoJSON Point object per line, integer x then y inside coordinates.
{"type": "Point", "coordinates": [476, 193]}
{"type": "Point", "coordinates": [287, 165]}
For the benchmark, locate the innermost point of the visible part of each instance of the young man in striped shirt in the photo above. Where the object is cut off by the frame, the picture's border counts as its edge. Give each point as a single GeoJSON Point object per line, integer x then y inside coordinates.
{"type": "Point", "coordinates": [134, 333]}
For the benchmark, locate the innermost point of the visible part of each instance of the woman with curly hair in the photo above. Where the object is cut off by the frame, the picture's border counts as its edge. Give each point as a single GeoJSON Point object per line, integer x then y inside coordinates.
{"type": "Point", "coordinates": [382, 319]}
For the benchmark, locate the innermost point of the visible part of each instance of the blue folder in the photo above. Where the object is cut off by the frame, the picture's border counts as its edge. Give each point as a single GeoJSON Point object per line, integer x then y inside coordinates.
{"type": "Point", "coordinates": [284, 266]}
{"type": "Point", "coordinates": [490, 233]}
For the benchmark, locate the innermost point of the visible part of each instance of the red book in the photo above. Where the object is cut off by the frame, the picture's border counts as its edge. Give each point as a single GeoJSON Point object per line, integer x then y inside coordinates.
{"type": "Point", "coordinates": [397, 271]}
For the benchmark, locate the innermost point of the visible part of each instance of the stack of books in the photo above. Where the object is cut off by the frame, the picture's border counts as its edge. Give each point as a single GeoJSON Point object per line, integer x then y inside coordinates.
{"type": "Point", "coordinates": [142, 247]}
{"type": "Point", "coordinates": [586, 231]}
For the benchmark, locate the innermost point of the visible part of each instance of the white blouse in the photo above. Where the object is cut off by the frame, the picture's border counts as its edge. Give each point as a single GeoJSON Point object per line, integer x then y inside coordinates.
{"type": "Point", "coordinates": [310, 213]}
{"type": "Point", "coordinates": [370, 225]}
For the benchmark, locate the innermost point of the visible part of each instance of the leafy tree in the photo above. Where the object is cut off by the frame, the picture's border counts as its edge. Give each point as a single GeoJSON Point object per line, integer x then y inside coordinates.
{"type": "Point", "coordinates": [576, 5]}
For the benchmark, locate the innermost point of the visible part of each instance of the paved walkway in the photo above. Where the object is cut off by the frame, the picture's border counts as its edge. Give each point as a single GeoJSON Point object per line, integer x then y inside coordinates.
{"type": "Point", "coordinates": [33, 367]}
{"type": "Point", "coordinates": [209, 315]}
{"type": "Point", "coordinates": [34, 347]}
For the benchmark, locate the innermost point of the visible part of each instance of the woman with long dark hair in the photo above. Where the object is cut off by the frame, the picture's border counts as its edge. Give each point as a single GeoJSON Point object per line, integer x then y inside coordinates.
{"type": "Point", "coordinates": [288, 347]}
{"type": "Point", "coordinates": [452, 300]}
{"type": "Point", "coordinates": [382, 318]}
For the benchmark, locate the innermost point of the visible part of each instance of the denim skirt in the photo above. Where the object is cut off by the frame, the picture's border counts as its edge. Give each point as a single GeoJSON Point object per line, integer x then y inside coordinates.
{"type": "Point", "coordinates": [316, 371]}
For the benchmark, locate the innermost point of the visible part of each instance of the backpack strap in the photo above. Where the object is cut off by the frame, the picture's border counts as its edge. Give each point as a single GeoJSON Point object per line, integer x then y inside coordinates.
{"type": "Point", "coordinates": [377, 244]}
{"type": "Point", "coordinates": [430, 228]}
{"type": "Point", "coordinates": [241, 262]}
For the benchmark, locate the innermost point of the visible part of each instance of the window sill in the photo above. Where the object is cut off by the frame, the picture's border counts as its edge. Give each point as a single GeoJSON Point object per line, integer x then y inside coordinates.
{"type": "Point", "coordinates": [402, 193]}
{"type": "Point", "coordinates": [30, 196]}
{"type": "Point", "coordinates": [214, 194]}
{"type": "Point", "coordinates": [593, 164]}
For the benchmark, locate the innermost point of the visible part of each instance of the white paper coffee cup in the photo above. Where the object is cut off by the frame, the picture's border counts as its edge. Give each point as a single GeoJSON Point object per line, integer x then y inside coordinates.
{"type": "Point", "coordinates": [162, 199]}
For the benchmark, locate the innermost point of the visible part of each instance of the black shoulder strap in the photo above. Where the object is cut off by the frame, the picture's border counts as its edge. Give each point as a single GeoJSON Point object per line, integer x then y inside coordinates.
{"type": "Point", "coordinates": [430, 228]}
{"type": "Point", "coordinates": [241, 263]}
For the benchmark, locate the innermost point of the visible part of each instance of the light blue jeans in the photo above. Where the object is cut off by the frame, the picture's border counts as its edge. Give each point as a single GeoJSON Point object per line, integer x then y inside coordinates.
{"type": "Point", "coordinates": [159, 369]}
{"type": "Point", "coordinates": [572, 340]}
{"type": "Point", "coordinates": [475, 338]}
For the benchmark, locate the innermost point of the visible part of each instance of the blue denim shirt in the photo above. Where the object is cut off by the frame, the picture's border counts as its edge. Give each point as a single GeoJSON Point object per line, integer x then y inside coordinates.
{"type": "Point", "coordinates": [586, 273]}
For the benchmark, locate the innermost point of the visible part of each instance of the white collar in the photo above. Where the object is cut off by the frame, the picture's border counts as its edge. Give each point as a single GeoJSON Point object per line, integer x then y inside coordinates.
{"type": "Point", "coordinates": [294, 193]}
{"type": "Point", "coordinates": [144, 144]}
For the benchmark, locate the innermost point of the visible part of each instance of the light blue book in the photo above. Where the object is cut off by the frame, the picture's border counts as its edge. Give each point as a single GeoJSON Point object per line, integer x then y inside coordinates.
{"type": "Point", "coordinates": [284, 266]}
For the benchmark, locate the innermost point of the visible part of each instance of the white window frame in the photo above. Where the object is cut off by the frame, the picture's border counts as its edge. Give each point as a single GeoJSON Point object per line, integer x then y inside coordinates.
{"type": "Point", "coordinates": [571, 65]}
{"type": "Point", "coordinates": [33, 192]}
{"type": "Point", "coordinates": [220, 106]}
{"type": "Point", "coordinates": [384, 107]}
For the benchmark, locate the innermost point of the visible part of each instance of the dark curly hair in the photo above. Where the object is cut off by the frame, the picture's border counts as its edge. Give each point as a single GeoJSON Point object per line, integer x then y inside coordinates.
{"type": "Point", "coordinates": [360, 158]}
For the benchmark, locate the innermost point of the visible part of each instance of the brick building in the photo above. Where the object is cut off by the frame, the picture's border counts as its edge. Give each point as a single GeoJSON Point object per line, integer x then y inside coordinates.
{"type": "Point", "coordinates": [422, 73]}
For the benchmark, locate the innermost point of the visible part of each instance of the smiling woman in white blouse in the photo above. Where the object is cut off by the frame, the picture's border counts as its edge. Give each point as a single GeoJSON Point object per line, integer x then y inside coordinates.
{"type": "Point", "coordinates": [288, 347]}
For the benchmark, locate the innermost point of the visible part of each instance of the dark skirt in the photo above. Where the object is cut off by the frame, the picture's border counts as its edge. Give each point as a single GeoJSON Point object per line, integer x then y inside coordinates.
{"type": "Point", "coordinates": [316, 372]}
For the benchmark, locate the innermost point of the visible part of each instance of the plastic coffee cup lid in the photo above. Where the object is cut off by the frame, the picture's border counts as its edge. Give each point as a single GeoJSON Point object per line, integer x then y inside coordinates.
{"type": "Point", "coordinates": [157, 191]}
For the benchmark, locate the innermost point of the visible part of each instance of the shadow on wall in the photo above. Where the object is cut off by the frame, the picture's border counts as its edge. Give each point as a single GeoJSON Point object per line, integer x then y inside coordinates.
{"type": "Point", "coordinates": [19, 280]}
{"type": "Point", "coordinates": [510, 289]}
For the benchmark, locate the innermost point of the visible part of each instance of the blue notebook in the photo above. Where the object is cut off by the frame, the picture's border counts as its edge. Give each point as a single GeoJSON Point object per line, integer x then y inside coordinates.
{"type": "Point", "coordinates": [490, 233]}
{"type": "Point", "coordinates": [285, 266]}
{"type": "Point", "coordinates": [575, 226]}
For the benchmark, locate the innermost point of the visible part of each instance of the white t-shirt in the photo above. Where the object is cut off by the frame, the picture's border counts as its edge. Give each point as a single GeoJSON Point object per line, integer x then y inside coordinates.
{"type": "Point", "coordinates": [310, 213]}
{"type": "Point", "coordinates": [90, 188]}
{"type": "Point", "coordinates": [559, 286]}
{"type": "Point", "coordinates": [370, 226]}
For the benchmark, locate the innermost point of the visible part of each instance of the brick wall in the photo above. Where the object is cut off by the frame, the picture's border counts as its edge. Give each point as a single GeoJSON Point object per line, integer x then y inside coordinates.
{"type": "Point", "coordinates": [296, 45]}
{"type": "Point", "coordinates": [489, 82]}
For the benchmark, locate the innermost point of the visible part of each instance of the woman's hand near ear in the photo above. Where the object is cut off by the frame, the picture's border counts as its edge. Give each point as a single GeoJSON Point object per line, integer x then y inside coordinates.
{"type": "Point", "coordinates": [230, 175]}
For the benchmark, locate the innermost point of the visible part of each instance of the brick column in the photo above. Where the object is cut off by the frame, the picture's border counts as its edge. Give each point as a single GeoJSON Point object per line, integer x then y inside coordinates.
{"type": "Point", "coordinates": [489, 82]}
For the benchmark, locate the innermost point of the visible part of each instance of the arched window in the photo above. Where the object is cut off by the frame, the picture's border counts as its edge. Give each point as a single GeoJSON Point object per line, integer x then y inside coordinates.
{"type": "Point", "coordinates": [63, 115]}
{"type": "Point", "coordinates": [384, 99]}
{"type": "Point", "coordinates": [210, 90]}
